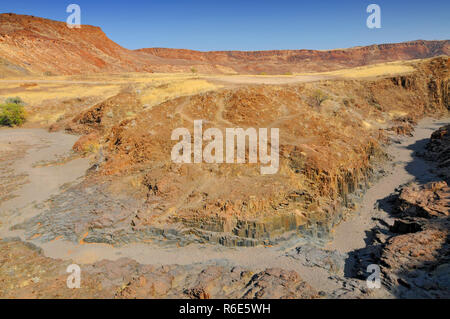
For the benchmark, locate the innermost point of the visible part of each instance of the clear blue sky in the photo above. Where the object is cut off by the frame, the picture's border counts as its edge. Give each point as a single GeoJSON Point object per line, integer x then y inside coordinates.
{"type": "Point", "coordinates": [248, 24]}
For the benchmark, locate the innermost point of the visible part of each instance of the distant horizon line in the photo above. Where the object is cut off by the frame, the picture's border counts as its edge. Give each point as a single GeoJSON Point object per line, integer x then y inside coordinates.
{"type": "Point", "coordinates": [231, 50]}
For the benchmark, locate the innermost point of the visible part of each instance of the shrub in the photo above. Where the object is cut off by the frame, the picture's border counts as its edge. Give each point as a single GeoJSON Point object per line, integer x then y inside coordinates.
{"type": "Point", "coordinates": [193, 70]}
{"type": "Point", "coordinates": [319, 97]}
{"type": "Point", "coordinates": [12, 114]}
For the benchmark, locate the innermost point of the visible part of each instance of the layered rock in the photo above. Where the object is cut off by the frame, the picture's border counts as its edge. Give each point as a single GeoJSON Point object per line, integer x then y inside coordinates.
{"type": "Point", "coordinates": [416, 262]}
{"type": "Point", "coordinates": [438, 151]}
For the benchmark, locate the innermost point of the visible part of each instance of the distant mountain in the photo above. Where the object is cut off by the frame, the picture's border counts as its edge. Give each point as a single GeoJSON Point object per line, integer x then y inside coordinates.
{"type": "Point", "coordinates": [32, 45]}
{"type": "Point", "coordinates": [281, 61]}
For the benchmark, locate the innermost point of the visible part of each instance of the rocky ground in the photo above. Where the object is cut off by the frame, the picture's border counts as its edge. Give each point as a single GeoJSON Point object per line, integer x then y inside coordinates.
{"type": "Point", "coordinates": [351, 191]}
{"type": "Point", "coordinates": [409, 240]}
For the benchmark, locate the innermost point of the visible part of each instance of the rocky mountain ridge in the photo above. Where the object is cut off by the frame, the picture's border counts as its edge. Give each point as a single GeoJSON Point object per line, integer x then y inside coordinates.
{"type": "Point", "coordinates": [32, 45]}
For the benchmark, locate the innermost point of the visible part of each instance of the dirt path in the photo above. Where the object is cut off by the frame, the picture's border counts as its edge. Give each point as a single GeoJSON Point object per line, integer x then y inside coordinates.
{"type": "Point", "coordinates": [270, 80]}
{"type": "Point", "coordinates": [44, 165]}
{"type": "Point", "coordinates": [351, 233]}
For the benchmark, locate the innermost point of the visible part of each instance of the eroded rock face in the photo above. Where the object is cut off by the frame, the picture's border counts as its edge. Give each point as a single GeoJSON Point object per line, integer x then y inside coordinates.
{"type": "Point", "coordinates": [417, 264]}
{"type": "Point", "coordinates": [429, 200]}
{"type": "Point", "coordinates": [438, 151]}
{"type": "Point", "coordinates": [278, 284]}
{"type": "Point", "coordinates": [415, 260]}
{"type": "Point", "coordinates": [413, 252]}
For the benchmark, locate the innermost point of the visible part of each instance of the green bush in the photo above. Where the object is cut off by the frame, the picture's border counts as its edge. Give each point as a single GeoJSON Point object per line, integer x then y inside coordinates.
{"type": "Point", "coordinates": [12, 114]}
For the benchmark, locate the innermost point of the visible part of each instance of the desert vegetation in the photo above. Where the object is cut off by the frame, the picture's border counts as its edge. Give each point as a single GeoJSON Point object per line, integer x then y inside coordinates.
{"type": "Point", "coordinates": [12, 112]}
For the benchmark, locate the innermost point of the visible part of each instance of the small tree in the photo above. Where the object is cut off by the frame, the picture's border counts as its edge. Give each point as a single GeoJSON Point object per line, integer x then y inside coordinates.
{"type": "Point", "coordinates": [319, 97]}
{"type": "Point", "coordinates": [194, 70]}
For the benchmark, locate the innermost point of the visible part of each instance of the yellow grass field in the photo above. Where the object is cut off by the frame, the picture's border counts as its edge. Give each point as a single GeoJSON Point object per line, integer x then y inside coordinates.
{"type": "Point", "coordinates": [47, 97]}
{"type": "Point", "coordinates": [382, 69]}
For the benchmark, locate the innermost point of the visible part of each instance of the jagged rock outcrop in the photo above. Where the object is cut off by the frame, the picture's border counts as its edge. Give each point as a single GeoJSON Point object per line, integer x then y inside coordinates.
{"type": "Point", "coordinates": [416, 260]}
{"type": "Point", "coordinates": [427, 201]}
{"type": "Point", "coordinates": [438, 151]}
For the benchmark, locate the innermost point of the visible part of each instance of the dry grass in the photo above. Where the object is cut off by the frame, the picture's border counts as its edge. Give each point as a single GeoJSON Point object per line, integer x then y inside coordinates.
{"type": "Point", "coordinates": [157, 94]}
{"type": "Point", "coordinates": [375, 70]}
{"type": "Point", "coordinates": [37, 95]}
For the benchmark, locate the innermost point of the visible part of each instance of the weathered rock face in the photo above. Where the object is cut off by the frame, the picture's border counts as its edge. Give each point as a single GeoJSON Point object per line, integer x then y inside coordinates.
{"type": "Point", "coordinates": [427, 201]}
{"type": "Point", "coordinates": [26, 273]}
{"type": "Point", "coordinates": [418, 264]}
{"type": "Point", "coordinates": [438, 151]}
{"type": "Point", "coordinates": [414, 252]}
{"type": "Point", "coordinates": [416, 260]}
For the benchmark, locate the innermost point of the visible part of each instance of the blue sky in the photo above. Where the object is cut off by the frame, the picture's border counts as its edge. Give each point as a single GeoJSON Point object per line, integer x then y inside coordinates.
{"type": "Point", "coordinates": [249, 24]}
